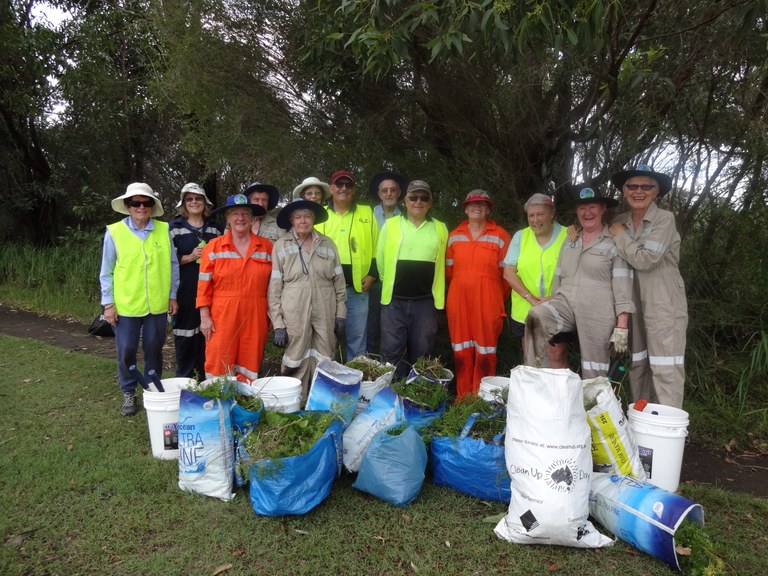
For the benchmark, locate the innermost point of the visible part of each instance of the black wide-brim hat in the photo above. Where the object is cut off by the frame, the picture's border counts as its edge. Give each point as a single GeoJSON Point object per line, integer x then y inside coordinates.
{"type": "Point", "coordinates": [284, 216]}
{"type": "Point", "coordinates": [274, 193]}
{"type": "Point", "coordinates": [587, 195]}
{"type": "Point", "coordinates": [240, 201]}
{"type": "Point", "coordinates": [664, 181]}
{"type": "Point", "coordinates": [373, 185]}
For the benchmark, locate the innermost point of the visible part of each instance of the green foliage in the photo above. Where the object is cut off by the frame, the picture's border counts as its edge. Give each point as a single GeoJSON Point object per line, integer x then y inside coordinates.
{"type": "Point", "coordinates": [695, 552]}
{"type": "Point", "coordinates": [280, 435]}
{"type": "Point", "coordinates": [491, 419]}
{"type": "Point", "coordinates": [422, 391]}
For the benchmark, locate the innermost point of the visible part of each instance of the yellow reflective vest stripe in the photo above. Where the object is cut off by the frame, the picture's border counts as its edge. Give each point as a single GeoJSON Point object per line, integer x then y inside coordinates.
{"type": "Point", "coordinates": [532, 264]}
{"type": "Point", "coordinates": [392, 242]}
{"type": "Point", "coordinates": [142, 276]}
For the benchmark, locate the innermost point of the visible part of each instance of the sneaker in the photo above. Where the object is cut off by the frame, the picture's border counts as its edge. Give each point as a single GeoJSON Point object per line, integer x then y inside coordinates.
{"type": "Point", "coordinates": [129, 404]}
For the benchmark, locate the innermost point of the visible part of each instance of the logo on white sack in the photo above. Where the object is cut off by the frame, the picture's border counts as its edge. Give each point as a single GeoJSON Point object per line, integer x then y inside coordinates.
{"type": "Point", "coordinates": [529, 521]}
{"type": "Point", "coordinates": [562, 474]}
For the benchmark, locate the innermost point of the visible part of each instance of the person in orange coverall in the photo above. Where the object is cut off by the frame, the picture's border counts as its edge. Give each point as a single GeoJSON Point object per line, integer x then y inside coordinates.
{"type": "Point", "coordinates": [232, 293]}
{"type": "Point", "coordinates": [476, 293]}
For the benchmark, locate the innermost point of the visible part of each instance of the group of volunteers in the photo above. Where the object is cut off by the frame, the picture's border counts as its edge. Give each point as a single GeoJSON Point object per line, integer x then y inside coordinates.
{"type": "Point", "coordinates": [328, 268]}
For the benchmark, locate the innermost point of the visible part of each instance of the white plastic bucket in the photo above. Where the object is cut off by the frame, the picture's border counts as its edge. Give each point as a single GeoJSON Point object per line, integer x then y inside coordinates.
{"type": "Point", "coordinates": [163, 417]}
{"type": "Point", "coordinates": [279, 393]}
{"type": "Point", "coordinates": [660, 433]}
{"type": "Point", "coordinates": [491, 387]}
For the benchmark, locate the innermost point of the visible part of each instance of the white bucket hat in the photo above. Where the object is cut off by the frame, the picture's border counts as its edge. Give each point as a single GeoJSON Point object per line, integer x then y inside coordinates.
{"type": "Point", "coordinates": [138, 189]}
{"type": "Point", "coordinates": [192, 188]}
{"type": "Point", "coordinates": [312, 181]}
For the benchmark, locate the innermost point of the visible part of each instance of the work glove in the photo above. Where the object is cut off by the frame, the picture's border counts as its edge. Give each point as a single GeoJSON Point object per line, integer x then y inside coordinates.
{"type": "Point", "coordinates": [339, 326]}
{"type": "Point", "coordinates": [620, 340]}
{"type": "Point", "coordinates": [281, 337]}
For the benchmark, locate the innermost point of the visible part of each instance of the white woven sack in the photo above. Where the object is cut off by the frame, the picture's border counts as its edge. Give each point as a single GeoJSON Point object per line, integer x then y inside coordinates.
{"type": "Point", "coordinates": [547, 450]}
{"type": "Point", "coordinates": [614, 449]}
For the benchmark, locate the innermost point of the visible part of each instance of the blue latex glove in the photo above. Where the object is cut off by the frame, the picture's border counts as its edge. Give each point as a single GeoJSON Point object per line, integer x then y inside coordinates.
{"type": "Point", "coordinates": [281, 337]}
{"type": "Point", "coordinates": [339, 327]}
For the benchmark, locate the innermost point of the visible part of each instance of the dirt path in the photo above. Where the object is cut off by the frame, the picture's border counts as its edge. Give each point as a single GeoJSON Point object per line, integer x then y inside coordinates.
{"type": "Point", "coordinates": [739, 472]}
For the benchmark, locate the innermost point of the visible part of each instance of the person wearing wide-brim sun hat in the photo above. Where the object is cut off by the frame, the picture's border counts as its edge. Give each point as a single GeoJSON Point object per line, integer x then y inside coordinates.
{"type": "Point", "coordinates": [647, 238]}
{"type": "Point", "coordinates": [312, 189]}
{"type": "Point", "coordinates": [307, 291]}
{"type": "Point", "coordinates": [592, 291]}
{"type": "Point", "coordinates": [232, 293]}
{"type": "Point", "coordinates": [477, 291]}
{"type": "Point", "coordinates": [139, 279]}
{"type": "Point", "coordinates": [190, 231]}
{"type": "Point", "coordinates": [266, 196]}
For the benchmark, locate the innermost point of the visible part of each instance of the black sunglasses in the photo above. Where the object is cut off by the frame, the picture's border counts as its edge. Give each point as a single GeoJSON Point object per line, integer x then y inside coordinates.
{"type": "Point", "coordinates": [417, 197]}
{"type": "Point", "coordinates": [137, 203]}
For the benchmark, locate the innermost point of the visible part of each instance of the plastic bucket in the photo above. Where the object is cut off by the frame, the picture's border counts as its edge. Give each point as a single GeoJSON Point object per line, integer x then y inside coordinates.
{"type": "Point", "coordinates": [491, 387]}
{"type": "Point", "coordinates": [660, 433]}
{"type": "Point", "coordinates": [279, 393]}
{"type": "Point", "coordinates": [162, 410]}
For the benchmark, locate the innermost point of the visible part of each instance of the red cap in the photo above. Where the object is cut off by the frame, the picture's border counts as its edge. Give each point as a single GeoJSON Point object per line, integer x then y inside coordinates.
{"type": "Point", "coordinates": [342, 174]}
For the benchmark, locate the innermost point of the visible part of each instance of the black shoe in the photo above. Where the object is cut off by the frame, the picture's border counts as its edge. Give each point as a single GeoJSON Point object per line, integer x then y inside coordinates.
{"type": "Point", "coordinates": [129, 404]}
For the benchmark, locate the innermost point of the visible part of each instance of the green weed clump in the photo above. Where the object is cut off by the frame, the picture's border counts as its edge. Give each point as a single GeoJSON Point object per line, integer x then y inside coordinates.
{"type": "Point", "coordinates": [695, 552]}
{"type": "Point", "coordinates": [422, 391]}
{"type": "Point", "coordinates": [490, 422]}
{"type": "Point", "coordinates": [279, 435]}
{"type": "Point", "coordinates": [221, 388]}
{"type": "Point", "coordinates": [430, 367]}
{"type": "Point", "coordinates": [371, 369]}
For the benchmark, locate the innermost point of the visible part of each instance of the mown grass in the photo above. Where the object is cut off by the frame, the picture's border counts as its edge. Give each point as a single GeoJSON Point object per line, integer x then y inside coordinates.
{"type": "Point", "coordinates": [81, 494]}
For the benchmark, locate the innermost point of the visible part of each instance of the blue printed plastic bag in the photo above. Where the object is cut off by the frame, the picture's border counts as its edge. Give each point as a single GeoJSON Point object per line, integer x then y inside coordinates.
{"type": "Point", "coordinates": [641, 514]}
{"type": "Point", "coordinates": [471, 465]}
{"type": "Point", "coordinates": [297, 484]}
{"type": "Point", "coordinates": [419, 416]}
{"type": "Point", "coordinates": [335, 388]}
{"type": "Point", "coordinates": [393, 467]}
{"type": "Point", "coordinates": [205, 446]}
{"type": "Point", "coordinates": [384, 410]}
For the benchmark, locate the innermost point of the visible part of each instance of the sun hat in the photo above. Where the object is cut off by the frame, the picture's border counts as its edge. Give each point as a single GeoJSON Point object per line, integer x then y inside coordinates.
{"type": "Point", "coordinates": [138, 189]}
{"type": "Point", "coordinates": [664, 181]}
{"type": "Point", "coordinates": [342, 174]}
{"type": "Point", "coordinates": [274, 193]}
{"type": "Point", "coordinates": [478, 195]}
{"type": "Point", "coordinates": [284, 216]}
{"type": "Point", "coordinates": [240, 201]}
{"type": "Point", "coordinates": [586, 195]}
{"type": "Point", "coordinates": [379, 177]}
{"type": "Point", "coordinates": [416, 185]}
{"type": "Point", "coordinates": [192, 188]}
{"type": "Point", "coordinates": [539, 199]}
{"type": "Point", "coordinates": [312, 181]}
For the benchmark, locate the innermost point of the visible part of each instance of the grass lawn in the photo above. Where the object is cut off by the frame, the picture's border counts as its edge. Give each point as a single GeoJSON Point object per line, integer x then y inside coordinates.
{"type": "Point", "coordinates": [81, 494]}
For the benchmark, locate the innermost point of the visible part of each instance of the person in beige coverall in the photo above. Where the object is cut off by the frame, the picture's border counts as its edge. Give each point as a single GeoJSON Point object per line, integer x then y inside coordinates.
{"type": "Point", "coordinates": [307, 292]}
{"type": "Point", "coordinates": [646, 237]}
{"type": "Point", "coordinates": [592, 293]}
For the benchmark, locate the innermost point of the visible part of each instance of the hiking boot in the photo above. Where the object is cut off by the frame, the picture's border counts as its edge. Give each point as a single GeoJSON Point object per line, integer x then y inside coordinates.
{"type": "Point", "coordinates": [129, 404]}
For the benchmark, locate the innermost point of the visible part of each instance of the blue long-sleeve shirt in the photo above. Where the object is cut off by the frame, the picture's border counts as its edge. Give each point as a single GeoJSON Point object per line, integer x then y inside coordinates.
{"type": "Point", "coordinates": [109, 259]}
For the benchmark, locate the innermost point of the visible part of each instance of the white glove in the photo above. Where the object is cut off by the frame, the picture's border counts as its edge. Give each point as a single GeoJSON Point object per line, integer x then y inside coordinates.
{"type": "Point", "coordinates": [620, 340]}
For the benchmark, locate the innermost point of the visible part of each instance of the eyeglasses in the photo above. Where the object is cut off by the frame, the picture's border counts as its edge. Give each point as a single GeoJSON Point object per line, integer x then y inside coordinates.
{"type": "Point", "coordinates": [643, 187]}
{"type": "Point", "coordinates": [137, 203]}
{"type": "Point", "coordinates": [192, 198]}
{"type": "Point", "coordinates": [347, 185]}
{"type": "Point", "coordinates": [419, 197]}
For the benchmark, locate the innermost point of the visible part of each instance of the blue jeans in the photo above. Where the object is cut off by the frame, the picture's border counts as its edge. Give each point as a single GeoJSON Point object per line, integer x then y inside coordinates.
{"type": "Point", "coordinates": [357, 323]}
{"type": "Point", "coordinates": [151, 329]}
{"type": "Point", "coordinates": [408, 331]}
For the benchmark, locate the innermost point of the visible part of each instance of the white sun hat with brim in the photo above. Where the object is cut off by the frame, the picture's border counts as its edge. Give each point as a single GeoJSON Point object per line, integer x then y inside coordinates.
{"type": "Point", "coordinates": [193, 188]}
{"type": "Point", "coordinates": [138, 189]}
{"type": "Point", "coordinates": [312, 181]}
